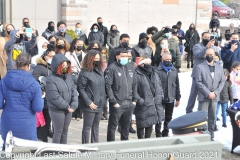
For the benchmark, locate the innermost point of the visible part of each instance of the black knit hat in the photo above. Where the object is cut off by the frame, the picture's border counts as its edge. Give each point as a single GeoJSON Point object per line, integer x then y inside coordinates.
{"type": "Point", "coordinates": [143, 35]}
{"type": "Point", "coordinates": [49, 23]}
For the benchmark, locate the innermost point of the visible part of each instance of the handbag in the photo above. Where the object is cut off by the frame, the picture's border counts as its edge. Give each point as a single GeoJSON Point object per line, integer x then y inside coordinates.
{"type": "Point", "coordinates": [188, 44]}
{"type": "Point", "coordinates": [75, 75]}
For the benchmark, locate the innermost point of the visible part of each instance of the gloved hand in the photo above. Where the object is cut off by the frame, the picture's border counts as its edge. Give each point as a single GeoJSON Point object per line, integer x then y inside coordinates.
{"type": "Point", "coordinates": [166, 30]}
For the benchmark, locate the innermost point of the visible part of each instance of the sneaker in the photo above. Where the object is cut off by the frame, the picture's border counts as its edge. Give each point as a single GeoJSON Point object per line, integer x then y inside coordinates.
{"type": "Point", "coordinates": [103, 118]}
{"type": "Point", "coordinates": [78, 119]}
{"type": "Point", "coordinates": [224, 125]}
{"type": "Point", "coordinates": [73, 118]}
{"type": "Point", "coordinates": [131, 130]}
{"type": "Point", "coordinates": [218, 119]}
{"type": "Point", "coordinates": [212, 139]}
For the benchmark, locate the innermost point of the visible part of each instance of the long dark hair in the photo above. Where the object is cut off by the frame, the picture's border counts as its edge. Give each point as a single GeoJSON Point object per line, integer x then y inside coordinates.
{"type": "Point", "coordinates": [226, 73]}
{"type": "Point", "coordinates": [72, 46]}
{"type": "Point", "coordinates": [113, 34]}
{"type": "Point", "coordinates": [88, 61]}
{"type": "Point", "coordinates": [90, 46]}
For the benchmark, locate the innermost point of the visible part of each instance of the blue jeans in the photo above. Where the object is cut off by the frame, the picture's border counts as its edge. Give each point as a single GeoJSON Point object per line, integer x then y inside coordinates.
{"type": "Point", "coordinates": [224, 113]}
{"type": "Point", "coordinates": [180, 48]}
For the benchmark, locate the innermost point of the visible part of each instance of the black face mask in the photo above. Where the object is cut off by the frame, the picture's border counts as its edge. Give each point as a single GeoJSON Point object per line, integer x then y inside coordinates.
{"type": "Point", "coordinates": [147, 66]}
{"type": "Point", "coordinates": [96, 64]}
{"type": "Point", "coordinates": [100, 23]}
{"type": "Point", "coordinates": [60, 46]}
{"type": "Point", "coordinates": [167, 63]}
{"type": "Point", "coordinates": [192, 28]}
{"type": "Point", "coordinates": [209, 58]}
{"type": "Point", "coordinates": [8, 32]}
{"type": "Point", "coordinates": [153, 33]}
{"type": "Point", "coordinates": [205, 41]}
{"type": "Point", "coordinates": [234, 41]}
{"type": "Point", "coordinates": [52, 42]}
{"type": "Point", "coordinates": [143, 44]}
{"type": "Point", "coordinates": [97, 49]}
{"type": "Point", "coordinates": [51, 28]}
{"type": "Point", "coordinates": [25, 24]}
{"type": "Point", "coordinates": [79, 48]}
{"type": "Point", "coordinates": [124, 44]}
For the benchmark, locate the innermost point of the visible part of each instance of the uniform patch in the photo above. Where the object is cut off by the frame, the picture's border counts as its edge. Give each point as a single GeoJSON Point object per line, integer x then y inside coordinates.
{"type": "Point", "coordinates": [119, 74]}
{"type": "Point", "coordinates": [131, 74]}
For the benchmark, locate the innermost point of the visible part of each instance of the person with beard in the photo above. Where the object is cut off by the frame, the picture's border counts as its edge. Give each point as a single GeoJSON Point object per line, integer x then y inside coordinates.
{"type": "Point", "coordinates": [43, 69]}
{"type": "Point", "coordinates": [102, 29]}
{"type": "Point", "coordinates": [199, 51]}
{"type": "Point", "coordinates": [210, 80]}
{"type": "Point", "coordinates": [49, 31]}
{"type": "Point", "coordinates": [61, 26]}
{"type": "Point", "coordinates": [124, 43]}
{"type": "Point", "coordinates": [149, 94]}
{"type": "Point", "coordinates": [96, 34]}
{"type": "Point", "coordinates": [119, 77]}
{"type": "Point", "coordinates": [79, 32]}
{"type": "Point", "coordinates": [168, 75]}
{"type": "Point", "coordinates": [150, 32]}
{"type": "Point", "coordinates": [113, 37]}
{"type": "Point", "coordinates": [142, 49]}
{"type": "Point", "coordinates": [91, 89]}
{"type": "Point", "coordinates": [62, 46]}
{"type": "Point", "coordinates": [16, 45]}
{"type": "Point", "coordinates": [192, 38]}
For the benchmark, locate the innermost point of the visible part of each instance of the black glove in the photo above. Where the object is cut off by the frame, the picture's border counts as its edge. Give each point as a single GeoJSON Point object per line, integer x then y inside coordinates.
{"type": "Point", "coordinates": [166, 30]}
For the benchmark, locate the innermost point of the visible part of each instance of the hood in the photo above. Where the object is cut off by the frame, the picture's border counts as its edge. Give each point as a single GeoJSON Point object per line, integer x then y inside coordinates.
{"type": "Point", "coordinates": [39, 60]}
{"type": "Point", "coordinates": [95, 24]}
{"type": "Point", "coordinates": [39, 45]}
{"type": "Point", "coordinates": [57, 59]}
{"type": "Point", "coordinates": [18, 80]}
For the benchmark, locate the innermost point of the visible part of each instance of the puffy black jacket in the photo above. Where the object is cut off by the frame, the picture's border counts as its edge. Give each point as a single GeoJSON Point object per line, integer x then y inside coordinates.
{"type": "Point", "coordinates": [119, 82]}
{"type": "Point", "coordinates": [226, 93]}
{"type": "Point", "coordinates": [91, 88]}
{"type": "Point", "coordinates": [60, 93]}
{"type": "Point", "coordinates": [149, 108]}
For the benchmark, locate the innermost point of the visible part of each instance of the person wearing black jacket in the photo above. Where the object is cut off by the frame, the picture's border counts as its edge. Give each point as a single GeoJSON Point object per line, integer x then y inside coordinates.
{"type": "Point", "coordinates": [43, 69]}
{"type": "Point", "coordinates": [119, 87]}
{"type": "Point", "coordinates": [79, 32]}
{"type": "Point", "coordinates": [95, 34]}
{"type": "Point", "coordinates": [91, 89]}
{"type": "Point", "coordinates": [49, 31]}
{"type": "Point", "coordinates": [102, 29]}
{"type": "Point", "coordinates": [149, 94]}
{"type": "Point", "coordinates": [124, 42]}
{"type": "Point", "coordinates": [168, 75]}
{"type": "Point", "coordinates": [62, 98]}
{"type": "Point", "coordinates": [192, 38]}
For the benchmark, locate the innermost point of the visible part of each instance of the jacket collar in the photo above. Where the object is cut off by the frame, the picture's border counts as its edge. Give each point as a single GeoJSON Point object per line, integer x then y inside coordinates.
{"type": "Point", "coordinates": [161, 68]}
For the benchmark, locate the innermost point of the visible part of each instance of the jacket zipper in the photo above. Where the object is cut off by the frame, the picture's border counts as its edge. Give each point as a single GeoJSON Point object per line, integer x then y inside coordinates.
{"type": "Point", "coordinates": [126, 82]}
{"type": "Point", "coordinates": [68, 90]}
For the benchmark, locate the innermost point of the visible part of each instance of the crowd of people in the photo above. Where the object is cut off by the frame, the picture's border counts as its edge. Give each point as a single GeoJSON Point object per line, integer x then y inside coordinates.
{"type": "Point", "coordinates": [100, 77]}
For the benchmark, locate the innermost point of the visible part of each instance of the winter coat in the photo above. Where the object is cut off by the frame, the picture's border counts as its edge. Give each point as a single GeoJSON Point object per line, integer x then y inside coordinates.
{"type": "Point", "coordinates": [65, 36]}
{"type": "Point", "coordinates": [119, 82]}
{"type": "Point", "coordinates": [104, 31]}
{"type": "Point", "coordinates": [96, 36]}
{"type": "Point", "coordinates": [47, 33]}
{"type": "Point", "coordinates": [235, 79]}
{"type": "Point", "coordinates": [40, 119]}
{"type": "Point", "coordinates": [138, 51]}
{"type": "Point", "coordinates": [192, 38]}
{"type": "Point", "coordinates": [20, 99]}
{"type": "Point", "coordinates": [228, 57]}
{"type": "Point", "coordinates": [60, 94]}
{"type": "Point", "coordinates": [41, 69]}
{"type": "Point", "coordinates": [148, 110]}
{"type": "Point", "coordinates": [170, 83]}
{"type": "Point", "coordinates": [113, 42]}
{"type": "Point", "coordinates": [9, 45]}
{"type": "Point", "coordinates": [91, 88]}
{"type": "Point", "coordinates": [228, 33]}
{"type": "Point", "coordinates": [226, 93]}
{"type": "Point", "coordinates": [113, 53]}
{"type": "Point", "coordinates": [3, 58]}
{"type": "Point", "coordinates": [83, 37]}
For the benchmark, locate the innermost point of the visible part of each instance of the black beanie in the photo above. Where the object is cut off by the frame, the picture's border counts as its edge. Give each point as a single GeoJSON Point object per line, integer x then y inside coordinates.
{"type": "Point", "coordinates": [49, 23]}
{"type": "Point", "coordinates": [143, 35]}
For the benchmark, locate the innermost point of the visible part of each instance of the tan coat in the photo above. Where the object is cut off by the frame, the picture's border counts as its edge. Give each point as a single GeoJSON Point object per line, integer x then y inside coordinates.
{"type": "Point", "coordinates": [3, 58]}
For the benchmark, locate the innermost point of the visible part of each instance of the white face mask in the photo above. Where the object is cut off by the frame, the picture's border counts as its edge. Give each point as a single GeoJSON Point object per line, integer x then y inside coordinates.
{"type": "Point", "coordinates": [49, 61]}
{"type": "Point", "coordinates": [41, 50]}
{"type": "Point", "coordinates": [164, 46]}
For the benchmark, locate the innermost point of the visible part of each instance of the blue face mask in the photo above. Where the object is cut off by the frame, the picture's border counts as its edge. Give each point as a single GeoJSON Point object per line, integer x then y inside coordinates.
{"type": "Point", "coordinates": [95, 30]}
{"type": "Point", "coordinates": [78, 30]}
{"type": "Point", "coordinates": [168, 35]}
{"type": "Point", "coordinates": [123, 61]}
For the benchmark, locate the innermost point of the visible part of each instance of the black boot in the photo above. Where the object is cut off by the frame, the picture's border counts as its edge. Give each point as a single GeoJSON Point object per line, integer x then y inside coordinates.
{"type": "Point", "coordinates": [131, 130]}
{"type": "Point", "coordinates": [188, 65]}
{"type": "Point", "coordinates": [192, 65]}
{"type": "Point", "coordinates": [50, 133]}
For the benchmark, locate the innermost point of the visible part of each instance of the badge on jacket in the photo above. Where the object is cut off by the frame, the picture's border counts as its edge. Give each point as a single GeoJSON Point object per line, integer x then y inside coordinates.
{"type": "Point", "coordinates": [131, 74]}
{"type": "Point", "coordinates": [119, 74]}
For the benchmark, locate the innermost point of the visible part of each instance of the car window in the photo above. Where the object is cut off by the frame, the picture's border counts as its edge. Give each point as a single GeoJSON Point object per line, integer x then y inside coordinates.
{"type": "Point", "coordinates": [219, 4]}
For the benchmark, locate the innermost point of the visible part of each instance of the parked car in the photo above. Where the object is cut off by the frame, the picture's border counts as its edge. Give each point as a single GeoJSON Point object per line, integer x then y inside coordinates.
{"type": "Point", "coordinates": [236, 8]}
{"type": "Point", "coordinates": [221, 9]}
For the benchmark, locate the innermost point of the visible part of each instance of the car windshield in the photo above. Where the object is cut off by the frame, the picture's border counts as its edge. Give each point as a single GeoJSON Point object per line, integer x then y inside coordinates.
{"type": "Point", "coordinates": [219, 4]}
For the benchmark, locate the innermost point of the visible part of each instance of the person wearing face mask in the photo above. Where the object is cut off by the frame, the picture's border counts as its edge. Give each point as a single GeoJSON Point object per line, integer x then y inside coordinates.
{"type": "Point", "coordinates": [120, 90]}
{"type": "Point", "coordinates": [8, 29]}
{"type": "Point", "coordinates": [150, 32]}
{"type": "Point", "coordinates": [16, 45]}
{"type": "Point", "coordinates": [19, 109]}
{"type": "Point", "coordinates": [102, 29]}
{"type": "Point", "coordinates": [79, 32]}
{"type": "Point", "coordinates": [149, 94]}
{"type": "Point", "coordinates": [229, 31]}
{"type": "Point", "coordinates": [43, 69]}
{"type": "Point", "coordinates": [95, 45]}
{"type": "Point", "coordinates": [123, 43]}
{"type": "Point", "coordinates": [113, 37]}
{"type": "Point", "coordinates": [62, 46]}
{"type": "Point", "coordinates": [199, 51]}
{"type": "Point", "coordinates": [210, 80]}
{"type": "Point", "coordinates": [215, 31]}
{"type": "Point", "coordinates": [41, 48]}
{"type": "Point", "coordinates": [49, 31]}
{"type": "Point", "coordinates": [61, 26]}
{"type": "Point", "coordinates": [168, 75]}
{"type": "Point", "coordinates": [26, 24]}
{"type": "Point", "coordinates": [230, 52]}
{"type": "Point", "coordinates": [91, 89]}
{"type": "Point", "coordinates": [142, 49]}
{"type": "Point", "coordinates": [166, 33]}
{"type": "Point", "coordinates": [192, 38]}
{"type": "Point", "coordinates": [214, 20]}
{"type": "Point", "coordinates": [61, 96]}
{"type": "Point", "coordinates": [95, 35]}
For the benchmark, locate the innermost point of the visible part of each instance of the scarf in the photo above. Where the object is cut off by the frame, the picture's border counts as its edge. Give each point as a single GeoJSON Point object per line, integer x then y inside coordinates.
{"type": "Point", "coordinates": [150, 76]}
{"type": "Point", "coordinates": [167, 69]}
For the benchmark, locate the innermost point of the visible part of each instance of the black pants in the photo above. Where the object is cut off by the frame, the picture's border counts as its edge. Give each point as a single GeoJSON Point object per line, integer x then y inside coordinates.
{"type": "Point", "coordinates": [90, 122]}
{"type": "Point", "coordinates": [105, 110]}
{"type": "Point", "coordinates": [190, 55]}
{"type": "Point", "coordinates": [124, 112]}
{"type": "Point", "coordinates": [78, 112]}
{"type": "Point", "coordinates": [140, 132]}
{"type": "Point", "coordinates": [168, 117]}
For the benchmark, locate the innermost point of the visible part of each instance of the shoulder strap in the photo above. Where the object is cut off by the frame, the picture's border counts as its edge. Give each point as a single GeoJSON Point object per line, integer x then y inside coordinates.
{"type": "Point", "coordinates": [76, 61]}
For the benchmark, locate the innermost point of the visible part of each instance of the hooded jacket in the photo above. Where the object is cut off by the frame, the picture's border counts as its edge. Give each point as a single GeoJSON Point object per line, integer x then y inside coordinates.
{"type": "Point", "coordinates": [9, 45]}
{"type": "Point", "coordinates": [60, 94]}
{"type": "Point", "coordinates": [40, 50]}
{"type": "Point", "coordinates": [96, 36]}
{"type": "Point", "coordinates": [20, 99]}
{"type": "Point", "coordinates": [65, 36]}
{"type": "Point", "coordinates": [192, 38]}
{"type": "Point", "coordinates": [47, 33]}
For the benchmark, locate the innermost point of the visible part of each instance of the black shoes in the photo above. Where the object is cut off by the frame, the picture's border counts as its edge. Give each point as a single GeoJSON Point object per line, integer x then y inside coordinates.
{"type": "Point", "coordinates": [104, 117]}
{"type": "Point", "coordinates": [224, 125]}
{"type": "Point", "coordinates": [131, 130]}
{"type": "Point", "coordinates": [218, 119]}
{"type": "Point", "coordinates": [188, 66]}
{"type": "Point", "coordinates": [50, 133]}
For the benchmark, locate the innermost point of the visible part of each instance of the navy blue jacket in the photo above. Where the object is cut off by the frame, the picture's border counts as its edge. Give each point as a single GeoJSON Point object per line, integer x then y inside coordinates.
{"type": "Point", "coordinates": [228, 57]}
